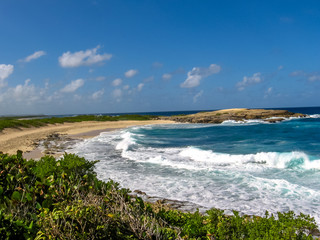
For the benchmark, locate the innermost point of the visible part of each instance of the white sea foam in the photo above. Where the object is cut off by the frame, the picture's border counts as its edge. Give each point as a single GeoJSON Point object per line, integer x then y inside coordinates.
{"type": "Point", "coordinates": [250, 183]}
{"type": "Point", "coordinates": [261, 121]}
{"type": "Point", "coordinates": [314, 116]}
{"type": "Point", "coordinates": [126, 142]}
{"type": "Point", "coordinates": [198, 159]}
{"type": "Point", "coordinates": [244, 122]}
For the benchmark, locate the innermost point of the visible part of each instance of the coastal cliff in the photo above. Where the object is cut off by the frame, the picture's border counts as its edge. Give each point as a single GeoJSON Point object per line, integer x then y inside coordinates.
{"type": "Point", "coordinates": [236, 114]}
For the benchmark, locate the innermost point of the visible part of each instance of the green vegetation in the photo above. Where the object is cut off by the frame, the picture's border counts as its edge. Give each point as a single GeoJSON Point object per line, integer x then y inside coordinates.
{"type": "Point", "coordinates": [14, 122]}
{"type": "Point", "coordinates": [63, 199]}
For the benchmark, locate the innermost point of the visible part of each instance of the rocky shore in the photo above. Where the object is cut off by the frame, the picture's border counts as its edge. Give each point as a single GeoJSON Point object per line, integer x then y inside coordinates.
{"type": "Point", "coordinates": [236, 114]}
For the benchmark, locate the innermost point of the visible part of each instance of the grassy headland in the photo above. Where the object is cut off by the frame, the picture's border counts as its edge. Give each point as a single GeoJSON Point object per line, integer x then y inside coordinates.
{"type": "Point", "coordinates": [63, 199]}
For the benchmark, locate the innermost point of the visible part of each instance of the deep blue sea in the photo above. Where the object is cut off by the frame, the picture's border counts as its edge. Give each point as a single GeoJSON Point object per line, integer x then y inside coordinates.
{"type": "Point", "coordinates": [247, 166]}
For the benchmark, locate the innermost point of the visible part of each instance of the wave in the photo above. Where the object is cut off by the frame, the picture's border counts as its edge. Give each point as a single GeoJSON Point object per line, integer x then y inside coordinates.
{"type": "Point", "coordinates": [199, 159]}
{"type": "Point", "coordinates": [268, 159]}
{"type": "Point", "coordinates": [262, 121]}
{"type": "Point", "coordinates": [249, 183]}
{"type": "Point", "coordinates": [127, 141]}
{"type": "Point", "coordinates": [244, 122]}
{"type": "Point", "coordinates": [314, 116]}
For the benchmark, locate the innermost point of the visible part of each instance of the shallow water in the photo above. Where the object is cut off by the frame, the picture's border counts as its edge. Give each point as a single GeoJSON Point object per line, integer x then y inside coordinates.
{"type": "Point", "coordinates": [250, 167]}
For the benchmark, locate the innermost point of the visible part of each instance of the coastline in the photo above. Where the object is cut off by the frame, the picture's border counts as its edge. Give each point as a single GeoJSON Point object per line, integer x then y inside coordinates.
{"type": "Point", "coordinates": [26, 139]}
{"type": "Point", "coordinates": [78, 132]}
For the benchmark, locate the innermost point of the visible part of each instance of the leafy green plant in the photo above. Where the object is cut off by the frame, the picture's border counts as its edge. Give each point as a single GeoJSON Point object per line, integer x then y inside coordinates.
{"type": "Point", "coordinates": [14, 122]}
{"type": "Point", "coordinates": [63, 199]}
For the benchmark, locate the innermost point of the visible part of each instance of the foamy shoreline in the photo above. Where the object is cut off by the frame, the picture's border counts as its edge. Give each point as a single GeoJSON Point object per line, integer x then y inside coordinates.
{"type": "Point", "coordinates": [25, 139]}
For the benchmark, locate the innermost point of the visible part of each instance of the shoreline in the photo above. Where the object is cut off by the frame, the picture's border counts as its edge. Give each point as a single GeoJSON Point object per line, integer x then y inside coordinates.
{"type": "Point", "coordinates": [27, 139]}
{"type": "Point", "coordinates": [85, 130]}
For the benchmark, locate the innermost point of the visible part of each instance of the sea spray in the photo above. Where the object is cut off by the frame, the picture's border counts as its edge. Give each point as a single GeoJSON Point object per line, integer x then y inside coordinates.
{"type": "Point", "coordinates": [249, 167]}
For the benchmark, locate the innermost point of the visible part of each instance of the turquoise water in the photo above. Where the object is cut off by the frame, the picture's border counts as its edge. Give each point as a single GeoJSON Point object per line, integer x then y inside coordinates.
{"type": "Point", "coordinates": [247, 166]}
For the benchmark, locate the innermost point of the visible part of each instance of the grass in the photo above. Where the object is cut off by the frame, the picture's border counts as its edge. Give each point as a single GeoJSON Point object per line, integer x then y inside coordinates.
{"type": "Point", "coordinates": [63, 199]}
{"type": "Point", "coordinates": [14, 122]}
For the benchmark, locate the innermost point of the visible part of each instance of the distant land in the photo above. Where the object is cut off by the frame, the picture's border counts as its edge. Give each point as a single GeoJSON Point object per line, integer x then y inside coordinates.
{"type": "Point", "coordinates": [236, 114]}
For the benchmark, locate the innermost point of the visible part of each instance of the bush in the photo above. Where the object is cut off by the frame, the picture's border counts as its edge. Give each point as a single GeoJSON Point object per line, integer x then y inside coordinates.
{"type": "Point", "coordinates": [16, 122]}
{"type": "Point", "coordinates": [63, 199]}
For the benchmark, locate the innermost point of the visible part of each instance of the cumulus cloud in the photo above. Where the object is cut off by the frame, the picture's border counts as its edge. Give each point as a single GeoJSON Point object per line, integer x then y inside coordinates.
{"type": "Point", "coordinates": [197, 74]}
{"type": "Point", "coordinates": [73, 86]}
{"type": "Point", "coordinates": [312, 77]}
{"type": "Point", "coordinates": [116, 82]}
{"type": "Point", "coordinates": [166, 76]}
{"type": "Point", "coordinates": [117, 93]}
{"type": "Point", "coordinates": [254, 79]}
{"type": "Point", "coordinates": [98, 94]}
{"type": "Point", "coordinates": [140, 86]}
{"type": "Point", "coordinates": [26, 93]}
{"type": "Point", "coordinates": [130, 73]}
{"type": "Point", "coordinates": [33, 56]}
{"type": "Point", "coordinates": [199, 94]}
{"type": "Point", "coordinates": [5, 71]}
{"type": "Point", "coordinates": [83, 58]}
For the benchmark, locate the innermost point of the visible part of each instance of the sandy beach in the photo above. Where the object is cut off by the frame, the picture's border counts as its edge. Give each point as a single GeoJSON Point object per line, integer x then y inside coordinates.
{"type": "Point", "coordinates": [24, 139]}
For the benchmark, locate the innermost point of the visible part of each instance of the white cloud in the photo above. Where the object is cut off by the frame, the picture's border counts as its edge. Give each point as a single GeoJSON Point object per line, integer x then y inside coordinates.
{"type": "Point", "coordinates": [73, 86]}
{"type": "Point", "coordinates": [26, 93]}
{"type": "Point", "coordinates": [5, 71]}
{"type": "Point", "coordinates": [197, 73]}
{"type": "Point", "coordinates": [33, 56]}
{"type": "Point", "coordinates": [116, 82]}
{"type": "Point", "coordinates": [314, 77]}
{"type": "Point", "coordinates": [98, 94]}
{"type": "Point", "coordinates": [297, 73]}
{"type": "Point", "coordinates": [256, 78]}
{"type": "Point", "coordinates": [117, 93]}
{"type": "Point", "coordinates": [199, 94]}
{"type": "Point", "coordinates": [83, 58]}
{"type": "Point", "coordinates": [140, 86]}
{"type": "Point", "coordinates": [268, 92]}
{"type": "Point", "coordinates": [126, 87]}
{"type": "Point", "coordinates": [166, 76]}
{"type": "Point", "coordinates": [130, 73]}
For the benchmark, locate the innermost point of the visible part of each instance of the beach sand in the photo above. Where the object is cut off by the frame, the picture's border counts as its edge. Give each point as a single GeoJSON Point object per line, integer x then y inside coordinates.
{"type": "Point", "coordinates": [25, 139]}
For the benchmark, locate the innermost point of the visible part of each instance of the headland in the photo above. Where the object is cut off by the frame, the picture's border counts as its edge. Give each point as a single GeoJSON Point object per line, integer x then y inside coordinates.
{"type": "Point", "coordinates": [236, 114]}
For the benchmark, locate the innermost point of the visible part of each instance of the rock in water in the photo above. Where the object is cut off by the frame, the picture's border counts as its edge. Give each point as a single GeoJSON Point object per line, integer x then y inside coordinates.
{"type": "Point", "coordinates": [237, 114]}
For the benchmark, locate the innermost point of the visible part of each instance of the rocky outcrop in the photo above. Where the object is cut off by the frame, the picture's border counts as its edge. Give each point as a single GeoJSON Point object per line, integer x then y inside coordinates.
{"type": "Point", "coordinates": [237, 114]}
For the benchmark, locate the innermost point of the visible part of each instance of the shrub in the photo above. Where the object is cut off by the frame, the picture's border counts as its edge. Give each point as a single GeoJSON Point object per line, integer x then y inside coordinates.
{"type": "Point", "coordinates": [63, 199]}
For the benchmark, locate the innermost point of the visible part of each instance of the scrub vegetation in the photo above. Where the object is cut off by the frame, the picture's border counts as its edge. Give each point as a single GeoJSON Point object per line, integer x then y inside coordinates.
{"type": "Point", "coordinates": [63, 199]}
{"type": "Point", "coordinates": [18, 122]}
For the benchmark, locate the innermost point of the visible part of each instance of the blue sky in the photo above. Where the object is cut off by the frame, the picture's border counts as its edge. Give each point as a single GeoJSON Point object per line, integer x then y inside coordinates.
{"type": "Point", "coordinates": [99, 56]}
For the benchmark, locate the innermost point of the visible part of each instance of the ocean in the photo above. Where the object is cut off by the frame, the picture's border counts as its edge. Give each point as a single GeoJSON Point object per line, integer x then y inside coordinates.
{"type": "Point", "coordinates": [249, 166]}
